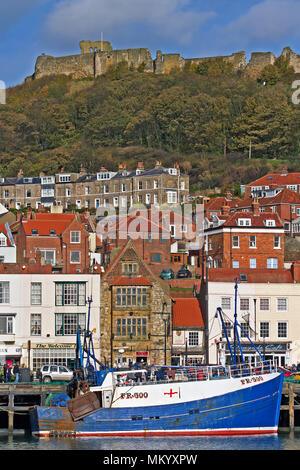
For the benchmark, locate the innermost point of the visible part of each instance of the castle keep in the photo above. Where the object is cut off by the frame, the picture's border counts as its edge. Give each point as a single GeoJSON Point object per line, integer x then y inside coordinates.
{"type": "Point", "coordinates": [98, 56]}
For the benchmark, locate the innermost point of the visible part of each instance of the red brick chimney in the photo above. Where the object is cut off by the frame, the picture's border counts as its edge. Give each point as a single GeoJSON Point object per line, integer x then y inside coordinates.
{"type": "Point", "coordinates": [228, 195]}
{"type": "Point", "coordinates": [296, 271]}
{"type": "Point", "coordinates": [255, 206]}
{"type": "Point", "coordinates": [225, 209]}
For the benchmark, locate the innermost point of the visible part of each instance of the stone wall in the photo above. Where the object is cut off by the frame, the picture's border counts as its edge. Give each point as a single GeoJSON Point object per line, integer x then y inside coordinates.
{"type": "Point", "coordinates": [237, 59]}
{"type": "Point", "coordinates": [98, 56]}
{"type": "Point", "coordinates": [294, 59]}
{"type": "Point", "coordinates": [259, 60]}
{"type": "Point", "coordinates": [79, 66]}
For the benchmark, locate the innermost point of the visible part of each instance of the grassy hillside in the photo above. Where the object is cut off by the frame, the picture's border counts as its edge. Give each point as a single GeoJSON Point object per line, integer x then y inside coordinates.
{"type": "Point", "coordinates": [205, 120]}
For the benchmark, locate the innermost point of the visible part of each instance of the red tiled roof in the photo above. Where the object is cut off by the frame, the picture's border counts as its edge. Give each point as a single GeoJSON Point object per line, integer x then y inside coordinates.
{"type": "Point", "coordinates": [286, 196]}
{"type": "Point", "coordinates": [44, 226]}
{"type": "Point", "coordinates": [187, 313]}
{"type": "Point", "coordinates": [217, 203]}
{"type": "Point", "coordinates": [131, 281]}
{"type": "Point", "coordinates": [277, 179]}
{"type": "Point", "coordinates": [256, 220]}
{"type": "Point", "coordinates": [253, 275]}
{"type": "Point", "coordinates": [53, 216]}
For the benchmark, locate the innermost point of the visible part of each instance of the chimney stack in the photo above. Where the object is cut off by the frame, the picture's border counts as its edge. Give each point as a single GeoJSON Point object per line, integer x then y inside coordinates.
{"type": "Point", "coordinates": [228, 195]}
{"type": "Point", "coordinates": [255, 206]}
{"type": "Point", "coordinates": [296, 271]}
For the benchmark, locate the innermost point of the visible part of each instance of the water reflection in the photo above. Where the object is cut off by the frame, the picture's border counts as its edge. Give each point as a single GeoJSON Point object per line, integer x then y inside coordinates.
{"type": "Point", "coordinates": [21, 441]}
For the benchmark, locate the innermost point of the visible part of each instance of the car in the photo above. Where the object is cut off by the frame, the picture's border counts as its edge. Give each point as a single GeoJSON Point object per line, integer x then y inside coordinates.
{"type": "Point", "coordinates": [183, 273]}
{"type": "Point", "coordinates": [167, 274]}
{"type": "Point", "coordinates": [53, 372]}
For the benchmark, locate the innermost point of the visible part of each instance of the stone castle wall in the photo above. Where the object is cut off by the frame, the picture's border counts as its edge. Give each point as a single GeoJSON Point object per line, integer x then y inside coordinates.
{"type": "Point", "coordinates": [98, 56]}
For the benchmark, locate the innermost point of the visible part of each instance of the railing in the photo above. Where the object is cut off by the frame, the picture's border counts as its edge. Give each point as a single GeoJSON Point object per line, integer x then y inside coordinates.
{"type": "Point", "coordinates": [165, 374]}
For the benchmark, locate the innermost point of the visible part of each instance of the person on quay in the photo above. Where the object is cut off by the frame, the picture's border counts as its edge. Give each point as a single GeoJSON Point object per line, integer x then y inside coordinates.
{"type": "Point", "coordinates": [16, 372]}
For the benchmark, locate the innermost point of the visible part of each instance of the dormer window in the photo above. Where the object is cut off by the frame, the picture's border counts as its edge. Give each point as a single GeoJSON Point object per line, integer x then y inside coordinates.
{"type": "Point", "coordinates": [47, 180]}
{"type": "Point", "coordinates": [3, 240]}
{"type": "Point", "coordinates": [270, 223]}
{"type": "Point", "coordinates": [244, 222]}
{"type": "Point", "coordinates": [64, 178]}
{"type": "Point", "coordinates": [172, 171]}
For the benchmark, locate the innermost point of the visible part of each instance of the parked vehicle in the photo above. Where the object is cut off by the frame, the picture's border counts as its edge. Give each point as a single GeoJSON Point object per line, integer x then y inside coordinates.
{"type": "Point", "coordinates": [53, 372]}
{"type": "Point", "coordinates": [167, 274]}
{"type": "Point", "coordinates": [184, 273]}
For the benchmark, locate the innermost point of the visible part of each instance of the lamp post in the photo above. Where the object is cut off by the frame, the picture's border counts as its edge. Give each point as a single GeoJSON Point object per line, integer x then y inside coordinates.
{"type": "Point", "coordinates": [166, 324]}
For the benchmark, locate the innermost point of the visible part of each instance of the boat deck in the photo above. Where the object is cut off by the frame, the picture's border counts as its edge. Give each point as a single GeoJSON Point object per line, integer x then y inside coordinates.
{"type": "Point", "coordinates": [157, 375]}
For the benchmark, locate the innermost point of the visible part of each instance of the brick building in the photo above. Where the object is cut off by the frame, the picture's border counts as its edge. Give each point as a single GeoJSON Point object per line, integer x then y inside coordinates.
{"type": "Point", "coordinates": [135, 312]}
{"type": "Point", "coordinates": [245, 240]}
{"type": "Point", "coordinates": [61, 240]}
{"type": "Point", "coordinates": [160, 237]}
{"type": "Point", "coordinates": [286, 203]}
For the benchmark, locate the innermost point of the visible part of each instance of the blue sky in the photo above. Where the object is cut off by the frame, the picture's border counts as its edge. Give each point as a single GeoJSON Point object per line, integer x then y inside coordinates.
{"type": "Point", "coordinates": [194, 28]}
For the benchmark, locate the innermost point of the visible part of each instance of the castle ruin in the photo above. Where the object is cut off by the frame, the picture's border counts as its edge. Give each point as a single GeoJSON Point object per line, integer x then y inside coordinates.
{"type": "Point", "coordinates": [97, 57]}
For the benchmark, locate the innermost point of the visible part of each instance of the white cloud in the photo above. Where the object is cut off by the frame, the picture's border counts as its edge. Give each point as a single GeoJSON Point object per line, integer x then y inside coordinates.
{"type": "Point", "coordinates": [270, 21]}
{"type": "Point", "coordinates": [73, 20]}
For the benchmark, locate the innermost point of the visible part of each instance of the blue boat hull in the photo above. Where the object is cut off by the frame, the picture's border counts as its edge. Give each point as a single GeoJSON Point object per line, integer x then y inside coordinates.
{"type": "Point", "coordinates": [251, 410]}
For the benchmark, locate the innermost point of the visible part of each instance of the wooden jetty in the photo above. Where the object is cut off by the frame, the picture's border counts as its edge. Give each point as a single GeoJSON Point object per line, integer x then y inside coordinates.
{"type": "Point", "coordinates": [18, 398]}
{"type": "Point", "coordinates": [289, 404]}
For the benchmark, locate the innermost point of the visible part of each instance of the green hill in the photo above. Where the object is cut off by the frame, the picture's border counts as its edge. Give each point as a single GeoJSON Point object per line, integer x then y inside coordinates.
{"type": "Point", "coordinates": [205, 121]}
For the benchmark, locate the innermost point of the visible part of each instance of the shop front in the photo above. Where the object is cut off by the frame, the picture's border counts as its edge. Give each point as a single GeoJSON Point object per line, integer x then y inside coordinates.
{"type": "Point", "coordinates": [10, 354]}
{"type": "Point", "coordinates": [142, 357]}
{"type": "Point", "coordinates": [276, 353]}
{"type": "Point", "coordinates": [41, 354]}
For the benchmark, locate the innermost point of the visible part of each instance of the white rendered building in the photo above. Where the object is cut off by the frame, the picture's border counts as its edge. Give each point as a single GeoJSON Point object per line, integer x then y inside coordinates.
{"type": "Point", "coordinates": [40, 315]}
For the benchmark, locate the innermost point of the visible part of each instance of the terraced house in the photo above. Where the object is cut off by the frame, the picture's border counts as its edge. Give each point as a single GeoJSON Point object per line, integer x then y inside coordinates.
{"type": "Point", "coordinates": [120, 188]}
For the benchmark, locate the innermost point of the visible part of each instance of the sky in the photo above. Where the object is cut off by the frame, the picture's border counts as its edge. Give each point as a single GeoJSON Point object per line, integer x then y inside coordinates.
{"type": "Point", "coordinates": [193, 28]}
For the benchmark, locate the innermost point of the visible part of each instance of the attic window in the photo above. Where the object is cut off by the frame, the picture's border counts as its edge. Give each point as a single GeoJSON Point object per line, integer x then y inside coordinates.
{"type": "Point", "coordinates": [270, 178]}
{"type": "Point", "coordinates": [34, 231]}
{"type": "Point", "coordinates": [52, 232]}
{"type": "Point", "coordinates": [244, 222]}
{"type": "Point", "coordinates": [270, 223]}
{"type": "Point", "coordinates": [3, 240]}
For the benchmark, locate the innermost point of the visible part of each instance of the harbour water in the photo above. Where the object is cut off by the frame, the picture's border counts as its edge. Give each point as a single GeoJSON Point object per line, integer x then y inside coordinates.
{"type": "Point", "coordinates": [282, 441]}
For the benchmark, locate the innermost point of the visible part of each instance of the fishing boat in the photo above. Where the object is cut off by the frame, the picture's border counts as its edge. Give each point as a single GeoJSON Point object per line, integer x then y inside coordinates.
{"type": "Point", "coordinates": [167, 401]}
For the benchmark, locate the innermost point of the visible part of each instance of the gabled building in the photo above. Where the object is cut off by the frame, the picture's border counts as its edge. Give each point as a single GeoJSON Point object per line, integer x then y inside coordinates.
{"type": "Point", "coordinates": [135, 312]}
{"type": "Point", "coordinates": [8, 249]}
{"type": "Point", "coordinates": [188, 332]}
{"type": "Point", "coordinates": [244, 240]}
{"type": "Point", "coordinates": [61, 240]}
{"type": "Point", "coordinates": [286, 204]}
